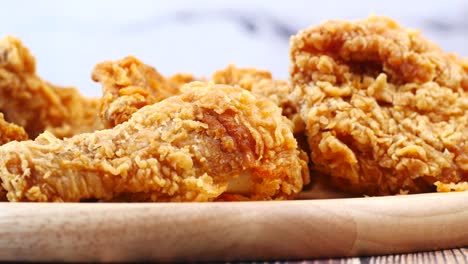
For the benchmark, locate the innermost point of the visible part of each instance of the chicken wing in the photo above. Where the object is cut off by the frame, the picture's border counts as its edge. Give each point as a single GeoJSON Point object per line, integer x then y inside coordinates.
{"type": "Point", "coordinates": [37, 105]}
{"type": "Point", "coordinates": [385, 109]}
{"type": "Point", "coordinates": [129, 84]}
{"type": "Point", "coordinates": [261, 83]}
{"type": "Point", "coordinates": [209, 140]}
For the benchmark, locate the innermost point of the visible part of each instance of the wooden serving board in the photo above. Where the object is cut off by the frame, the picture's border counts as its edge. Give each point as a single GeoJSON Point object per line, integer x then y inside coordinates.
{"type": "Point", "coordinates": [233, 231]}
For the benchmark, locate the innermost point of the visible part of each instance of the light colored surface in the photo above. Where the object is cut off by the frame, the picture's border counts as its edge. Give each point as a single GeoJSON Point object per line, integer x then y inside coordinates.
{"type": "Point", "coordinates": [70, 37]}
{"type": "Point", "coordinates": [233, 231]}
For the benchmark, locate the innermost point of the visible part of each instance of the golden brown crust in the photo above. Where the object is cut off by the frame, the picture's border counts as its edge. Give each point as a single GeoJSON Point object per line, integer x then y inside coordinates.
{"type": "Point", "coordinates": [10, 132]}
{"type": "Point", "coordinates": [384, 108]}
{"type": "Point", "coordinates": [129, 84]}
{"type": "Point", "coordinates": [81, 113]}
{"type": "Point", "coordinates": [37, 105]}
{"type": "Point", "coordinates": [180, 79]}
{"type": "Point", "coordinates": [246, 78]}
{"type": "Point", "coordinates": [185, 148]}
{"type": "Point", "coordinates": [451, 187]}
{"type": "Point", "coordinates": [261, 83]}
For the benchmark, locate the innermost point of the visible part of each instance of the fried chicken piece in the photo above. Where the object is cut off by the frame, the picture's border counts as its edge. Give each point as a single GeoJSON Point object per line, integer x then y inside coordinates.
{"type": "Point", "coordinates": [385, 109]}
{"type": "Point", "coordinates": [451, 187]}
{"type": "Point", "coordinates": [36, 105]}
{"type": "Point", "coordinates": [209, 140]}
{"type": "Point", "coordinates": [261, 83]}
{"type": "Point", "coordinates": [246, 78]}
{"type": "Point", "coordinates": [129, 84]}
{"type": "Point", "coordinates": [179, 79]}
{"type": "Point", "coordinates": [9, 132]}
{"type": "Point", "coordinates": [80, 116]}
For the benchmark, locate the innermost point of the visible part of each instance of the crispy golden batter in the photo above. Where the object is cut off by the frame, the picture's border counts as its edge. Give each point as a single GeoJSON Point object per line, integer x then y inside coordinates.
{"type": "Point", "coordinates": [9, 132]}
{"type": "Point", "coordinates": [180, 79]}
{"type": "Point", "coordinates": [246, 78]}
{"type": "Point", "coordinates": [129, 84]}
{"type": "Point", "coordinates": [80, 116]}
{"type": "Point", "coordinates": [209, 140]}
{"type": "Point", "coordinates": [37, 105]}
{"type": "Point", "coordinates": [451, 187]}
{"type": "Point", "coordinates": [385, 109]}
{"type": "Point", "coordinates": [261, 83]}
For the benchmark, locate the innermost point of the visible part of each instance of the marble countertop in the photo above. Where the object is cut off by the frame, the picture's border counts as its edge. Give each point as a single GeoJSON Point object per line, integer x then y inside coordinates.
{"type": "Point", "coordinates": [69, 37]}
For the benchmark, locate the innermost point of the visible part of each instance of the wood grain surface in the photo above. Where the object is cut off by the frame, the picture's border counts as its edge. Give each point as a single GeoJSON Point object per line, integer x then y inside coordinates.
{"type": "Point", "coordinates": [289, 230]}
{"type": "Point", "coordinates": [457, 255]}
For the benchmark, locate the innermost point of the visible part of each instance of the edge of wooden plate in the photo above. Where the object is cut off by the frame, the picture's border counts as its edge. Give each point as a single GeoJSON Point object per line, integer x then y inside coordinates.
{"type": "Point", "coordinates": [284, 230]}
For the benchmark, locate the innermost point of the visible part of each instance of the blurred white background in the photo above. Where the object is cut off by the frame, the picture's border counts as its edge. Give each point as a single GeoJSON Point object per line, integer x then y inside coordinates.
{"type": "Point", "coordinates": [69, 37]}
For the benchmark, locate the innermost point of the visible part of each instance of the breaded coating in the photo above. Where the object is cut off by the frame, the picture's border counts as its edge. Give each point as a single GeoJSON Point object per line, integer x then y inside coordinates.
{"type": "Point", "coordinates": [80, 116]}
{"type": "Point", "coordinates": [129, 84]}
{"type": "Point", "coordinates": [246, 78]}
{"type": "Point", "coordinates": [209, 140]}
{"type": "Point", "coordinates": [179, 79]}
{"type": "Point", "coordinates": [261, 83]}
{"type": "Point", "coordinates": [385, 110]}
{"type": "Point", "coordinates": [37, 105]}
{"type": "Point", "coordinates": [10, 132]}
{"type": "Point", "coordinates": [452, 187]}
